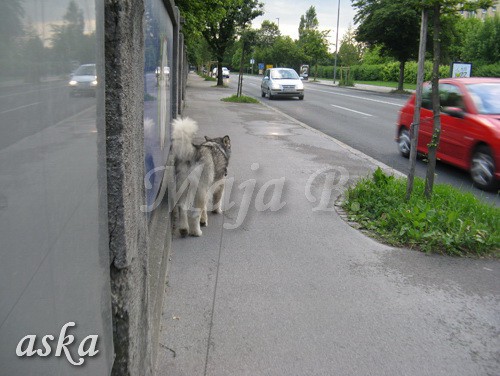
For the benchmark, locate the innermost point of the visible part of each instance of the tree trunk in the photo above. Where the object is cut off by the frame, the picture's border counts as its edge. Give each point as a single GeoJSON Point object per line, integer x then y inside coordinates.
{"type": "Point", "coordinates": [418, 104]}
{"type": "Point", "coordinates": [220, 79]}
{"type": "Point", "coordinates": [401, 75]}
{"type": "Point", "coordinates": [436, 129]}
{"type": "Point", "coordinates": [240, 76]}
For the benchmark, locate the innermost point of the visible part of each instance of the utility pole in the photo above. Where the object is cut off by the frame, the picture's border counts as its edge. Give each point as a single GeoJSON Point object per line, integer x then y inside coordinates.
{"type": "Point", "coordinates": [336, 45]}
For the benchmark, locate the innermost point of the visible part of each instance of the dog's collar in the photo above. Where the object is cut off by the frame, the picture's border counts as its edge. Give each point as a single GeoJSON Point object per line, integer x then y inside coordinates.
{"type": "Point", "coordinates": [220, 148]}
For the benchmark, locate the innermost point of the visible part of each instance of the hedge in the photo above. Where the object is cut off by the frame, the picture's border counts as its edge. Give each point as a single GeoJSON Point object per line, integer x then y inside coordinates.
{"type": "Point", "coordinates": [390, 71]}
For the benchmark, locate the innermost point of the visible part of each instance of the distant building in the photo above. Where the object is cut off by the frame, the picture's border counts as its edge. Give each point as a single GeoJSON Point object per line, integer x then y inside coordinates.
{"type": "Point", "coordinates": [483, 13]}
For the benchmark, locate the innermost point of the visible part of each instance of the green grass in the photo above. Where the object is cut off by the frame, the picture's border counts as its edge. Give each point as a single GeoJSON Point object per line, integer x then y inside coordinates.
{"type": "Point", "coordinates": [452, 222]}
{"type": "Point", "coordinates": [242, 99]}
{"type": "Point", "coordinates": [207, 78]}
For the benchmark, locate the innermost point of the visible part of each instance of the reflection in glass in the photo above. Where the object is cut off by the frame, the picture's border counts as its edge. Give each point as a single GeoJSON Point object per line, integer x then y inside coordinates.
{"type": "Point", "coordinates": [54, 264]}
{"type": "Point", "coordinates": [157, 95]}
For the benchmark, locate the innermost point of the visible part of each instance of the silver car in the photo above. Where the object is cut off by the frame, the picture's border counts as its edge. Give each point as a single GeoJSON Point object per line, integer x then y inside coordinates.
{"type": "Point", "coordinates": [282, 82]}
{"type": "Point", "coordinates": [83, 80]}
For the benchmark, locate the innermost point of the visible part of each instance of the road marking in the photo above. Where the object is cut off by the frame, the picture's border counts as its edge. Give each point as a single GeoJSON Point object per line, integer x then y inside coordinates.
{"type": "Point", "coordinates": [18, 108]}
{"type": "Point", "coordinates": [357, 97]}
{"type": "Point", "coordinates": [348, 109]}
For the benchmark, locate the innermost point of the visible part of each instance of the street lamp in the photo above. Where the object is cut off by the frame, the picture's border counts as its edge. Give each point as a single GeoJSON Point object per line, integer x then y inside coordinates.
{"type": "Point", "coordinates": [278, 22]}
{"type": "Point", "coordinates": [336, 45]}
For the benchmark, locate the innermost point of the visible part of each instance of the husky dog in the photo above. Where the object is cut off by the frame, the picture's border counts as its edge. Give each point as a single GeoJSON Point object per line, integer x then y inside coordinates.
{"type": "Point", "coordinates": [200, 175]}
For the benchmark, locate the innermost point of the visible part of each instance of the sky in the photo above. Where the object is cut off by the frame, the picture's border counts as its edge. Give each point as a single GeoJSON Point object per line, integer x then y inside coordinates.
{"type": "Point", "coordinates": [289, 13]}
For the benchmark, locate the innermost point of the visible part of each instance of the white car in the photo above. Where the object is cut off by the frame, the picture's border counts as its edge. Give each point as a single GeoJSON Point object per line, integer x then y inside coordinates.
{"type": "Point", "coordinates": [83, 80]}
{"type": "Point", "coordinates": [282, 82]}
{"type": "Point", "coordinates": [225, 72]}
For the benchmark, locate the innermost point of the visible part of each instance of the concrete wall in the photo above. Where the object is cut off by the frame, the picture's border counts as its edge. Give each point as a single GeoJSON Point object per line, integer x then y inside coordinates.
{"type": "Point", "coordinates": [138, 241]}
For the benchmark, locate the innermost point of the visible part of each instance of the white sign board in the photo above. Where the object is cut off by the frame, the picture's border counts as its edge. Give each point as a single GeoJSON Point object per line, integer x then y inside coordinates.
{"type": "Point", "coordinates": [460, 70]}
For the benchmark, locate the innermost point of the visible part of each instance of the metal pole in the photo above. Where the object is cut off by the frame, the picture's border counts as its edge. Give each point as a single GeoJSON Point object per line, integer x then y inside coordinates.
{"type": "Point", "coordinates": [278, 22]}
{"type": "Point", "coordinates": [336, 45]}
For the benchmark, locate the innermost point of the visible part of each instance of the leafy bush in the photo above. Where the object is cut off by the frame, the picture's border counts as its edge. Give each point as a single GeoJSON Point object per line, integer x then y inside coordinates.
{"type": "Point", "coordinates": [492, 70]}
{"type": "Point", "coordinates": [368, 72]}
{"type": "Point", "coordinates": [323, 72]}
{"type": "Point", "coordinates": [389, 72]}
{"type": "Point", "coordinates": [452, 222]}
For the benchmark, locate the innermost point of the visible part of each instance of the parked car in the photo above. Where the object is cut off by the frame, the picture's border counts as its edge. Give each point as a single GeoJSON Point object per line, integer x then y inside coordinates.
{"type": "Point", "coordinates": [470, 121]}
{"type": "Point", "coordinates": [282, 82]}
{"type": "Point", "coordinates": [83, 80]}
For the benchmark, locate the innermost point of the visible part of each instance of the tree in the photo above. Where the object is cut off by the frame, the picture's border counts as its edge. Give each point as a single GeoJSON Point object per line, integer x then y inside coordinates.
{"type": "Point", "coordinates": [312, 41]}
{"type": "Point", "coordinates": [440, 8]}
{"type": "Point", "coordinates": [391, 24]}
{"type": "Point", "coordinates": [218, 22]}
{"type": "Point", "coordinates": [418, 104]}
{"type": "Point", "coordinates": [350, 50]}
{"type": "Point", "coordinates": [481, 43]}
{"type": "Point", "coordinates": [69, 43]}
{"type": "Point", "coordinates": [309, 21]}
{"type": "Point", "coordinates": [267, 34]}
{"type": "Point", "coordinates": [247, 39]}
{"type": "Point", "coordinates": [221, 27]}
{"type": "Point", "coordinates": [11, 27]}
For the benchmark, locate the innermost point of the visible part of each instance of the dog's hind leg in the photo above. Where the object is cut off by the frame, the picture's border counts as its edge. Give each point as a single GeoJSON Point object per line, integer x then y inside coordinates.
{"type": "Point", "coordinates": [217, 198]}
{"type": "Point", "coordinates": [194, 222]}
{"type": "Point", "coordinates": [183, 222]}
{"type": "Point", "coordinates": [204, 217]}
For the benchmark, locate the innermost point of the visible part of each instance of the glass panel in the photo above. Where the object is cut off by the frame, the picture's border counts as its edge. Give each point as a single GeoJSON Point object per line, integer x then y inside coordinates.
{"type": "Point", "coordinates": [157, 95]}
{"type": "Point", "coordinates": [54, 266]}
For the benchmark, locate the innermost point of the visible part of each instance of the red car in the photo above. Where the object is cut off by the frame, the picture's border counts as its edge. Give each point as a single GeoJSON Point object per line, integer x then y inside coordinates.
{"type": "Point", "coordinates": [470, 127]}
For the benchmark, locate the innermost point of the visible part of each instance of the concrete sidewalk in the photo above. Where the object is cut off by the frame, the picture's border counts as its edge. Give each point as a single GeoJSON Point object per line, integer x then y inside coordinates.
{"type": "Point", "coordinates": [280, 284]}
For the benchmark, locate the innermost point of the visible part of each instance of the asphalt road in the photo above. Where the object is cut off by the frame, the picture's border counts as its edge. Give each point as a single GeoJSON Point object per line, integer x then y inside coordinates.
{"type": "Point", "coordinates": [364, 120]}
{"type": "Point", "coordinates": [26, 109]}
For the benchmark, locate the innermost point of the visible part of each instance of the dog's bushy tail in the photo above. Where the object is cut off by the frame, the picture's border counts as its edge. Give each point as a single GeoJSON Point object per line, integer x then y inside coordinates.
{"type": "Point", "coordinates": [183, 131]}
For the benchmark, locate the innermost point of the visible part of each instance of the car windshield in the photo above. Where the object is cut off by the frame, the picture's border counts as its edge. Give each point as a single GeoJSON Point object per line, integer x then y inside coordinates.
{"type": "Point", "coordinates": [284, 74]}
{"type": "Point", "coordinates": [486, 97]}
{"type": "Point", "coordinates": [85, 70]}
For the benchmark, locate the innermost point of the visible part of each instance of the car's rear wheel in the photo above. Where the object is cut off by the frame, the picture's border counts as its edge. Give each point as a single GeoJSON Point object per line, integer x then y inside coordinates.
{"type": "Point", "coordinates": [404, 143]}
{"type": "Point", "coordinates": [482, 169]}
{"type": "Point", "coordinates": [301, 97]}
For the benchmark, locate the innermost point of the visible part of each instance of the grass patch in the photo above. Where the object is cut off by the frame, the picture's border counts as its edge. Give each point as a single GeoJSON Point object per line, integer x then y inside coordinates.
{"type": "Point", "coordinates": [452, 222]}
{"type": "Point", "coordinates": [207, 78]}
{"type": "Point", "coordinates": [242, 99]}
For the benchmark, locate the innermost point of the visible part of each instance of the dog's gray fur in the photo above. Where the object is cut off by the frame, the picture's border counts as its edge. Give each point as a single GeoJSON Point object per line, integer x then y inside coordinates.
{"type": "Point", "coordinates": [200, 175]}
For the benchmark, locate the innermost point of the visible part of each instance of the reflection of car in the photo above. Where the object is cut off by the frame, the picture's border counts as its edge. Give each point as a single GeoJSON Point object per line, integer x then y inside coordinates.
{"type": "Point", "coordinates": [470, 127]}
{"type": "Point", "coordinates": [83, 80]}
{"type": "Point", "coordinates": [225, 72]}
{"type": "Point", "coordinates": [166, 73]}
{"type": "Point", "coordinates": [282, 82]}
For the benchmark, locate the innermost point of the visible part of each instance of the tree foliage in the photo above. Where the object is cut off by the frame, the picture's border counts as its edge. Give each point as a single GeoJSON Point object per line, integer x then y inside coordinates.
{"type": "Point", "coordinates": [350, 50]}
{"type": "Point", "coordinates": [308, 21]}
{"type": "Point", "coordinates": [69, 43]}
{"type": "Point", "coordinates": [218, 22]}
{"type": "Point", "coordinates": [312, 41]}
{"type": "Point", "coordinates": [391, 24]}
{"type": "Point", "coordinates": [481, 43]}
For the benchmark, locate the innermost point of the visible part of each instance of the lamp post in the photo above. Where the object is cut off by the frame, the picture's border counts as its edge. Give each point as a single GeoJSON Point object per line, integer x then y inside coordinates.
{"type": "Point", "coordinates": [336, 45]}
{"type": "Point", "coordinates": [278, 22]}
